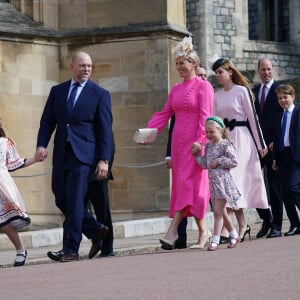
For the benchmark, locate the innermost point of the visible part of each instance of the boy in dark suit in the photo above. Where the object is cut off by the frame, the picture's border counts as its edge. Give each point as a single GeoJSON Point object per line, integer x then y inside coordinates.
{"type": "Point", "coordinates": [286, 154]}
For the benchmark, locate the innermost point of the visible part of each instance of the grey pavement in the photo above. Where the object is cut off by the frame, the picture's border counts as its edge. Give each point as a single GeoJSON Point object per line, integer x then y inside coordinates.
{"type": "Point", "coordinates": [131, 237]}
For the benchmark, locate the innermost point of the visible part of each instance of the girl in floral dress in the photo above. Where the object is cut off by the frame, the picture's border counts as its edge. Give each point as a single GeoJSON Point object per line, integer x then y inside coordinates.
{"type": "Point", "coordinates": [13, 214]}
{"type": "Point", "coordinates": [219, 158]}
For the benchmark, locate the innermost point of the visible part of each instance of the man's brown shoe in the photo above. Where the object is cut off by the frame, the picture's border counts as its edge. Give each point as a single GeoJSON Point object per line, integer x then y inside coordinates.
{"type": "Point", "coordinates": [67, 257]}
{"type": "Point", "coordinates": [97, 241]}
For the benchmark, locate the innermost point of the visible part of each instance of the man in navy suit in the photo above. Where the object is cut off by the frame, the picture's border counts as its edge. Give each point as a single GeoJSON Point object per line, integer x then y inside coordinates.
{"type": "Point", "coordinates": [286, 154]}
{"type": "Point", "coordinates": [79, 111]}
{"type": "Point", "coordinates": [266, 105]}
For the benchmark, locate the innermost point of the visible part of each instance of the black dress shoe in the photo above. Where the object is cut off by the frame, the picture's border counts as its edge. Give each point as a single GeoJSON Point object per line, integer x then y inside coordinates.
{"type": "Point", "coordinates": [274, 233]}
{"type": "Point", "coordinates": [106, 254]}
{"type": "Point", "coordinates": [180, 244]}
{"type": "Point", "coordinates": [264, 230]}
{"type": "Point", "coordinates": [292, 231]}
{"type": "Point", "coordinates": [55, 255]}
{"type": "Point", "coordinates": [97, 241]}
{"type": "Point", "coordinates": [68, 257]}
{"type": "Point", "coordinates": [224, 239]}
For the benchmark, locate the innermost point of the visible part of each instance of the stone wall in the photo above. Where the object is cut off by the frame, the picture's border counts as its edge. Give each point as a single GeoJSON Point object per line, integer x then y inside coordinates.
{"type": "Point", "coordinates": [27, 71]}
{"type": "Point", "coordinates": [132, 50]}
{"type": "Point", "coordinates": [221, 27]}
{"type": "Point", "coordinates": [136, 67]}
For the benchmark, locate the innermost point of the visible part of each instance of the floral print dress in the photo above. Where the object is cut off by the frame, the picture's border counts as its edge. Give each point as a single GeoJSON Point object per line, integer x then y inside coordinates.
{"type": "Point", "coordinates": [12, 209]}
{"type": "Point", "coordinates": [221, 182]}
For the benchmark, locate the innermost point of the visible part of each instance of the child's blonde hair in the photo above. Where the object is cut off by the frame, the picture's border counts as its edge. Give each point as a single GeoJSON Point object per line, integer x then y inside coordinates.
{"type": "Point", "coordinates": [219, 124]}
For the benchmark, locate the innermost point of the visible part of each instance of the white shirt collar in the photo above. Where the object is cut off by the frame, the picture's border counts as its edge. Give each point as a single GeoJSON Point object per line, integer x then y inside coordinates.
{"type": "Point", "coordinates": [81, 84]}
{"type": "Point", "coordinates": [291, 108]}
{"type": "Point", "coordinates": [268, 85]}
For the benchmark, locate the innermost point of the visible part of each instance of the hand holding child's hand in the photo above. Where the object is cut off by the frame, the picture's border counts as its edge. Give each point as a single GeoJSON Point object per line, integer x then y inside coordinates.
{"type": "Point", "coordinates": [196, 147]}
{"type": "Point", "coordinates": [40, 154]}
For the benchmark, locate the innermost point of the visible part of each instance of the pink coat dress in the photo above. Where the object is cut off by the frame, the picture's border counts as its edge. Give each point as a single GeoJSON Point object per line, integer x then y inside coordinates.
{"type": "Point", "coordinates": [236, 104]}
{"type": "Point", "coordinates": [192, 102]}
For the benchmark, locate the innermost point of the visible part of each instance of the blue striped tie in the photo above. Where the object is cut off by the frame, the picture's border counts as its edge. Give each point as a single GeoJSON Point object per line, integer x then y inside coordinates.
{"type": "Point", "coordinates": [72, 97]}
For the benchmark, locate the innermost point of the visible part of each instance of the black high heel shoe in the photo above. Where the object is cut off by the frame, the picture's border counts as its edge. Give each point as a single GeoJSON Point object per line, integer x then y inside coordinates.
{"type": "Point", "coordinates": [248, 230]}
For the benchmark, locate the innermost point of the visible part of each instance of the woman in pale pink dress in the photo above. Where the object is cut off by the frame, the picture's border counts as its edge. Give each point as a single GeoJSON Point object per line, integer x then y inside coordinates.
{"type": "Point", "coordinates": [235, 105]}
{"type": "Point", "coordinates": [192, 102]}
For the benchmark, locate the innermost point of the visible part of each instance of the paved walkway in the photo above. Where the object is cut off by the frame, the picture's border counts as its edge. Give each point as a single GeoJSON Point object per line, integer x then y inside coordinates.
{"type": "Point", "coordinates": [131, 237]}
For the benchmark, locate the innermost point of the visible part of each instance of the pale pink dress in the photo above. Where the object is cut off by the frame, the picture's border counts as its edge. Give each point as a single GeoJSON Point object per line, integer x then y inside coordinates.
{"type": "Point", "coordinates": [192, 102]}
{"type": "Point", "coordinates": [12, 208]}
{"type": "Point", "coordinates": [236, 104]}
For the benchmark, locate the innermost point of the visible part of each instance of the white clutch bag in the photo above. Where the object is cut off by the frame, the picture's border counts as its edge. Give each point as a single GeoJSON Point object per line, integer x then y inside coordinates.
{"type": "Point", "coordinates": [145, 135]}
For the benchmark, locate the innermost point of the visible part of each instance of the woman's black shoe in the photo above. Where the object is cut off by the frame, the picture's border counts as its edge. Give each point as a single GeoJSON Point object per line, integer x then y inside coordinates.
{"type": "Point", "coordinates": [248, 230]}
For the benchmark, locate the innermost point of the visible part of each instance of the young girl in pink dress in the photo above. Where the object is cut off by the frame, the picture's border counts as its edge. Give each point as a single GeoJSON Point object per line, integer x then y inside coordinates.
{"type": "Point", "coordinates": [191, 102]}
{"type": "Point", "coordinates": [219, 158]}
{"type": "Point", "coordinates": [13, 213]}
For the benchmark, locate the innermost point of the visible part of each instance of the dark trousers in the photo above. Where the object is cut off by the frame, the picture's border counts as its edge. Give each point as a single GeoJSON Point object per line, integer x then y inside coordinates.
{"type": "Point", "coordinates": [289, 172]}
{"type": "Point", "coordinates": [98, 196]}
{"type": "Point", "coordinates": [182, 230]}
{"type": "Point", "coordinates": [69, 186]}
{"type": "Point", "coordinates": [275, 195]}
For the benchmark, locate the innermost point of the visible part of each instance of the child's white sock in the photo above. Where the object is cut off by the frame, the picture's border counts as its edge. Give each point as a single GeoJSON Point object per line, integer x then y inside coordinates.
{"type": "Point", "coordinates": [215, 240]}
{"type": "Point", "coordinates": [21, 255]}
{"type": "Point", "coordinates": [233, 236]}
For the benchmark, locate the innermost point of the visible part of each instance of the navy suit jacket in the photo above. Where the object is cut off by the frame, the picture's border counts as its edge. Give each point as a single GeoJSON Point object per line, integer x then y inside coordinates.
{"type": "Point", "coordinates": [271, 109]}
{"type": "Point", "coordinates": [88, 129]}
{"type": "Point", "coordinates": [293, 135]}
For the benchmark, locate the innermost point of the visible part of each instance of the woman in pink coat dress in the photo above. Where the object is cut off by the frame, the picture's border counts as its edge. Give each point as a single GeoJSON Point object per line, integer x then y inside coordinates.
{"type": "Point", "coordinates": [192, 102]}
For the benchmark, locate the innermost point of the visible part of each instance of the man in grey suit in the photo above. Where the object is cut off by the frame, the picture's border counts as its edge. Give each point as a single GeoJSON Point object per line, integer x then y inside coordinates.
{"type": "Point", "coordinates": [79, 111]}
